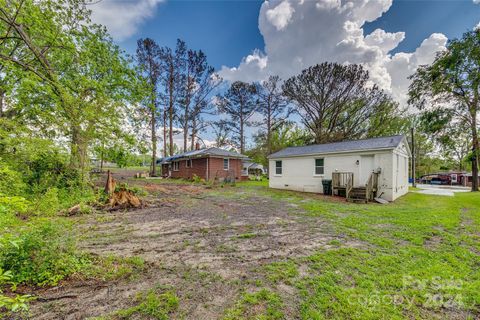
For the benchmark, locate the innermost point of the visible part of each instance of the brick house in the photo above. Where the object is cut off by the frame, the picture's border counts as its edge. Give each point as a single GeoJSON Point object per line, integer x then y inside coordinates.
{"type": "Point", "coordinates": [209, 164]}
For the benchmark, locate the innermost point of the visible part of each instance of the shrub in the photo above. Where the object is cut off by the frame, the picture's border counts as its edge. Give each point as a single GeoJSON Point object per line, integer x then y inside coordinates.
{"type": "Point", "coordinates": [10, 181]}
{"type": "Point", "coordinates": [11, 304]}
{"type": "Point", "coordinates": [48, 203]}
{"type": "Point", "coordinates": [41, 253]}
{"type": "Point", "coordinates": [14, 205]}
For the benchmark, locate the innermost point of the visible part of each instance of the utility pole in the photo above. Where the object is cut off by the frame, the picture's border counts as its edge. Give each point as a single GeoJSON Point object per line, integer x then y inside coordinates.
{"type": "Point", "coordinates": [414, 183]}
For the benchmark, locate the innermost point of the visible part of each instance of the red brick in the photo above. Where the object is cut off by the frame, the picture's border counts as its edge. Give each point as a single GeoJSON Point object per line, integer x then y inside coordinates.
{"type": "Point", "coordinates": [199, 168]}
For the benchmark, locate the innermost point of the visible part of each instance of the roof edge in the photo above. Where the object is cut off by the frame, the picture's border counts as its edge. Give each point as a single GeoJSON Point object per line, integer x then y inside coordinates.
{"type": "Point", "coordinates": [334, 152]}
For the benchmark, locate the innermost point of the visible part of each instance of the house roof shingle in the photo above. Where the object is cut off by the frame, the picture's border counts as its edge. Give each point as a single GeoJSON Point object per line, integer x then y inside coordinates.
{"type": "Point", "coordinates": [212, 151]}
{"type": "Point", "coordinates": [390, 142]}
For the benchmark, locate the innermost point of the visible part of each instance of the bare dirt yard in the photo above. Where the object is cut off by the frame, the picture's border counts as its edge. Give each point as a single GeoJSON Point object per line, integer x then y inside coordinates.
{"type": "Point", "coordinates": [250, 252]}
{"type": "Point", "coordinates": [209, 245]}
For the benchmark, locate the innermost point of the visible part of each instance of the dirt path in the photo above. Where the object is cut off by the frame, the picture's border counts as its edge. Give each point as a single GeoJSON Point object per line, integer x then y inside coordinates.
{"type": "Point", "coordinates": [206, 246]}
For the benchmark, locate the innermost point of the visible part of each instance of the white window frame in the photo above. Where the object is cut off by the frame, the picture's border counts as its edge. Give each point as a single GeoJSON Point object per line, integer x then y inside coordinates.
{"type": "Point", "coordinates": [315, 167]}
{"type": "Point", "coordinates": [176, 166]}
{"type": "Point", "coordinates": [228, 163]}
{"type": "Point", "coordinates": [188, 163]}
{"type": "Point", "coordinates": [281, 168]}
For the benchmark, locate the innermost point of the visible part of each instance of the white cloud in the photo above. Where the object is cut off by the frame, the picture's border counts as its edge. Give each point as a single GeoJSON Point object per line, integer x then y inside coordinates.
{"type": "Point", "coordinates": [332, 30]}
{"type": "Point", "coordinates": [476, 1]}
{"type": "Point", "coordinates": [123, 17]}
{"type": "Point", "coordinates": [402, 65]}
{"type": "Point", "coordinates": [280, 15]}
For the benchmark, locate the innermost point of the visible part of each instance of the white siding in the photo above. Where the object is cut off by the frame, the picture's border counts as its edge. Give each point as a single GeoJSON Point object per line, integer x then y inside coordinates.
{"type": "Point", "coordinates": [299, 172]}
{"type": "Point", "coordinates": [401, 164]}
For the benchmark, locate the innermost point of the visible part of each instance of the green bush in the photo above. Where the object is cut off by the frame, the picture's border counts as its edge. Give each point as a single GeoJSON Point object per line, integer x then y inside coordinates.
{"type": "Point", "coordinates": [17, 303]}
{"type": "Point", "coordinates": [48, 203]}
{"type": "Point", "coordinates": [41, 253]}
{"type": "Point", "coordinates": [10, 181]}
{"type": "Point", "coordinates": [13, 205]}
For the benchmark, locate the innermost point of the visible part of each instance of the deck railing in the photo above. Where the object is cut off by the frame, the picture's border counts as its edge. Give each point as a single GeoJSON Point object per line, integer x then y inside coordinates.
{"type": "Point", "coordinates": [342, 180]}
{"type": "Point", "coordinates": [371, 186]}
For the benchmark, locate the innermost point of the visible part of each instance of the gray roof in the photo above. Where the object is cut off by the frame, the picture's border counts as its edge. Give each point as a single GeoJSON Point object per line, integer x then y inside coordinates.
{"type": "Point", "coordinates": [212, 152]}
{"type": "Point", "coordinates": [343, 146]}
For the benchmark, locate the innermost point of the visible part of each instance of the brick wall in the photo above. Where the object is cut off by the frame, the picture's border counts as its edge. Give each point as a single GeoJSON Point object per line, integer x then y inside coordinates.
{"type": "Point", "coordinates": [216, 168]}
{"type": "Point", "coordinates": [199, 168]}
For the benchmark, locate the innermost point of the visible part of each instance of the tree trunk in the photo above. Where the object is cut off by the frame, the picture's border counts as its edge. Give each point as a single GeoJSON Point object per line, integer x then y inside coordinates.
{"type": "Point", "coordinates": [475, 150]}
{"type": "Point", "coordinates": [78, 150]}
{"type": "Point", "coordinates": [194, 133]}
{"type": "Point", "coordinates": [154, 144]}
{"type": "Point", "coordinates": [242, 146]}
{"type": "Point", "coordinates": [170, 114]}
{"type": "Point", "coordinates": [185, 128]}
{"type": "Point", "coordinates": [186, 116]}
{"type": "Point", "coordinates": [269, 135]}
{"type": "Point", "coordinates": [165, 132]}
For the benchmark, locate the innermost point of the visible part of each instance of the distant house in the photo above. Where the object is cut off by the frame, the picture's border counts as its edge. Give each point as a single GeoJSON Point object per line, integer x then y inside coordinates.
{"type": "Point", "coordinates": [454, 178]}
{"type": "Point", "coordinates": [253, 168]}
{"type": "Point", "coordinates": [445, 178]}
{"type": "Point", "coordinates": [466, 179]}
{"type": "Point", "coordinates": [209, 164]}
{"type": "Point", "coordinates": [360, 169]}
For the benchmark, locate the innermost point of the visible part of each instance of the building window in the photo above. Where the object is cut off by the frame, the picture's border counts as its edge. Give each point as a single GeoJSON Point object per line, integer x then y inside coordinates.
{"type": "Point", "coordinates": [278, 167]}
{"type": "Point", "coordinates": [175, 166]}
{"type": "Point", "coordinates": [226, 164]}
{"type": "Point", "coordinates": [319, 167]}
{"type": "Point", "coordinates": [188, 163]}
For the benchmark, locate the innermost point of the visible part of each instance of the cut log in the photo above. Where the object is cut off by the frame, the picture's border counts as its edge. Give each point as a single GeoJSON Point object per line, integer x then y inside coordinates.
{"type": "Point", "coordinates": [74, 210]}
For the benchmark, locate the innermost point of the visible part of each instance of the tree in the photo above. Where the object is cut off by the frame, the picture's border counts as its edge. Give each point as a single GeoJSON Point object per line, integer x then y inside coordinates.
{"type": "Point", "coordinates": [239, 103]}
{"type": "Point", "coordinates": [273, 107]}
{"type": "Point", "coordinates": [335, 101]}
{"type": "Point", "coordinates": [73, 77]}
{"type": "Point", "coordinates": [220, 129]}
{"type": "Point", "coordinates": [452, 82]}
{"type": "Point", "coordinates": [286, 134]}
{"type": "Point", "coordinates": [148, 60]}
{"type": "Point", "coordinates": [198, 83]}
{"type": "Point", "coordinates": [172, 64]}
{"type": "Point", "coordinates": [451, 136]}
{"type": "Point", "coordinates": [389, 119]}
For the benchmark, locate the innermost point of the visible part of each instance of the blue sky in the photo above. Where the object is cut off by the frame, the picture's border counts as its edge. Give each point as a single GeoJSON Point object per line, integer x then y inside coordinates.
{"type": "Point", "coordinates": [225, 30]}
{"type": "Point", "coordinates": [249, 40]}
{"type": "Point", "coordinates": [228, 30]}
{"type": "Point", "coordinates": [421, 18]}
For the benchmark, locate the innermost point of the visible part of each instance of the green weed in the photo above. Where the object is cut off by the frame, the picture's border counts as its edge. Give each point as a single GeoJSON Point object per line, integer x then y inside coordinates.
{"type": "Point", "coordinates": [262, 305]}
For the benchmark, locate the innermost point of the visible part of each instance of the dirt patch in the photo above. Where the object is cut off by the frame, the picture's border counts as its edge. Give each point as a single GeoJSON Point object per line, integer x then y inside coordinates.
{"type": "Point", "coordinates": [174, 189]}
{"type": "Point", "coordinates": [206, 246]}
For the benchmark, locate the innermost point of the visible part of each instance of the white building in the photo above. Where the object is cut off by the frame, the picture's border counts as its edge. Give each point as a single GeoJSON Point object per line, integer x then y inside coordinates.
{"type": "Point", "coordinates": [381, 163]}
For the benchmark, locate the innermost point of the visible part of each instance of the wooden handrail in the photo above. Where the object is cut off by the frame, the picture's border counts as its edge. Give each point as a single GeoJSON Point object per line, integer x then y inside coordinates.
{"type": "Point", "coordinates": [342, 180]}
{"type": "Point", "coordinates": [372, 184]}
{"type": "Point", "coordinates": [349, 186]}
{"type": "Point", "coordinates": [368, 187]}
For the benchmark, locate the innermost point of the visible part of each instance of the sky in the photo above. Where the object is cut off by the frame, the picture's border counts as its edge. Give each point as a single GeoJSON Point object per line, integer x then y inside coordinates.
{"type": "Point", "coordinates": [249, 40]}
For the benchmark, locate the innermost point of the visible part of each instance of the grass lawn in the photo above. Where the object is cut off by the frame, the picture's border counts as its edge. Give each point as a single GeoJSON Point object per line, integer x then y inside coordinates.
{"type": "Point", "coordinates": [419, 258]}
{"type": "Point", "coordinates": [250, 252]}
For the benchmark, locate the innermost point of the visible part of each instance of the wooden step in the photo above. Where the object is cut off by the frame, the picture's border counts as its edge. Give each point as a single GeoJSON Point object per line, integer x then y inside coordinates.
{"type": "Point", "coordinates": [358, 195]}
